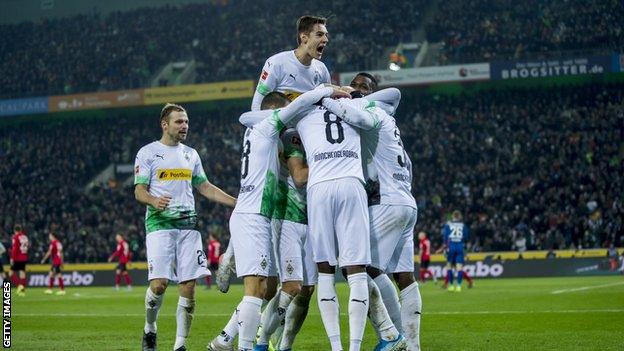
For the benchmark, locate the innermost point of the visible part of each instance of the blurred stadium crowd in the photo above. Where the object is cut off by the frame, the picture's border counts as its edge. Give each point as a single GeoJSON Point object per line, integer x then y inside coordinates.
{"type": "Point", "coordinates": [230, 40]}
{"type": "Point", "coordinates": [533, 169]}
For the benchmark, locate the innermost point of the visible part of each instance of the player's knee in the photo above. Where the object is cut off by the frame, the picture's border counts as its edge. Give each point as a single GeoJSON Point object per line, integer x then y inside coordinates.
{"type": "Point", "coordinates": [355, 269]}
{"type": "Point", "coordinates": [373, 272]}
{"type": "Point", "coordinates": [404, 279]}
{"type": "Point", "coordinates": [256, 286]}
{"type": "Point", "coordinates": [325, 268]}
{"type": "Point", "coordinates": [159, 286]}
{"type": "Point", "coordinates": [187, 289]}
{"type": "Point", "coordinates": [307, 290]}
{"type": "Point", "coordinates": [291, 288]}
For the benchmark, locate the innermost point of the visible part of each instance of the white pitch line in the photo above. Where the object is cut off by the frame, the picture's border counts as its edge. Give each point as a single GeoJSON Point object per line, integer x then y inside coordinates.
{"type": "Point", "coordinates": [585, 288]}
{"type": "Point", "coordinates": [313, 314]}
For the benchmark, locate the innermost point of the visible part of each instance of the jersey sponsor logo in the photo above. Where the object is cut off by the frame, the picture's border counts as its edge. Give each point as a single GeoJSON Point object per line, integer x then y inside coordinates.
{"type": "Point", "coordinates": [247, 189]}
{"type": "Point", "coordinates": [401, 177]}
{"type": "Point", "coordinates": [174, 174]}
{"type": "Point", "coordinates": [292, 95]}
{"type": "Point", "coordinates": [264, 75]}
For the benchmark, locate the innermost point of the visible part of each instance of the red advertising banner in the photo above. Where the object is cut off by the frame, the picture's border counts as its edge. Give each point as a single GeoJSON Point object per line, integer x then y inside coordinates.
{"type": "Point", "coordinates": [96, 100]}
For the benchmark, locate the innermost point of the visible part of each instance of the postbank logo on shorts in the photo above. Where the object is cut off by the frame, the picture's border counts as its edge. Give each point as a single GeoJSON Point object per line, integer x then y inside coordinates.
{"type": "Point", "coordinates": [174, 174]}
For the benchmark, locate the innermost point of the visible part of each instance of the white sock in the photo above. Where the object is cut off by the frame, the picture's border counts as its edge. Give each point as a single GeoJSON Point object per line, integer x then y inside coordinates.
{"type": "Point", "coordinates": [152, 305]}
{"type": "Point", "coordinates": [411, 307]}
{"type": "Point", "coordinates": [358, 308]}
{"type": "Point", "coordinates": [249, 319]}
{"type": "Point", "coordinates": [330, 309]}
{"type": "Point", "coordinates": [229, 332]}
{"type": "Point", "coordinates": [184, 318]}
{"type": "Point", "coordinates": [273, 316]}
{"type": "Point", "coordinates": [295, 315]}
{"type": "Point", "coordinates": [379, 315]}
{"type": "Point", "coordinates": [390, 299]}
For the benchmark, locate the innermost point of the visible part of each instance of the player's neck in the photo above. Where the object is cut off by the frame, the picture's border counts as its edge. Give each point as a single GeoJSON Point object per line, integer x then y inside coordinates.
{"type": "Point", "coordinates": [166, 140]}
{"type": "Point", "coordinates": [303, 56]}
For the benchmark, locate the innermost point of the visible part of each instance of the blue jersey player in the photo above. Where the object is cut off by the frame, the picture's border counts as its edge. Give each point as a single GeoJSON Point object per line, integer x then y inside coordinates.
{"type": "Point", "coordinates": [455, 234]}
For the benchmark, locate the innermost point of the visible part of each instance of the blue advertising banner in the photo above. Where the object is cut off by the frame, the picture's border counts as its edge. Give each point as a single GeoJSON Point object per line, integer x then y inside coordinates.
{"type": "Point", "coordinates": [551, 67]}
{"type": "Point", "coordinates": [23, 106]}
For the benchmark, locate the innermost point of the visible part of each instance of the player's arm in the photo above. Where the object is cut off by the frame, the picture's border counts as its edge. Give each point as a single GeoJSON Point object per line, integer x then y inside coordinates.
{"type": "Point", "coordinates": [299, 170]}
{"type": "Point", "coordinates": [47, 254]}
{"type": "Point", "coordinates": [143, 196]}
{"type": "Point", "coordinates": [60, 253]}
{"type": "Point", "coordinates": [387, 99]}
{"type": "Point", "coordinates": [113, 255]}
{"type": "Point", "coordinates": [267, 83]}
{"type": "Point", "coordinates": [214, 193]}
{"type": "Point", "coordinates": [295, 108]}
{"type": "Point", "coordinates": [357, 113]}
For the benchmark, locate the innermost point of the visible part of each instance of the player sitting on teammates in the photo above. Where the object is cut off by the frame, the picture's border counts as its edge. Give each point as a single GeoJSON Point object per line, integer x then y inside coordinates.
{"type": "Point", "coordinates": [291, 72]}
{"type": "Point", "coordinates": [122, 252]}
{"type": "Point", "coordinates": [55, 251]}
{"type": "Point", "coordinates": [455, 234]}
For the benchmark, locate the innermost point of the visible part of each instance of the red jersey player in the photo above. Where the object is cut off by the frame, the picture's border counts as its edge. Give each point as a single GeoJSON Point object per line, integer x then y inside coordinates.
{"type": "Point", "coordinates": [214, 251]}
{"type": "Point", "coordinates": [424, 246]}
{"type": "Point", "coordinates": [19, 258]}
{"type": "Point", "coordinates": [123, 253]}
{"type": "Point", "coordinates": [55, 251]}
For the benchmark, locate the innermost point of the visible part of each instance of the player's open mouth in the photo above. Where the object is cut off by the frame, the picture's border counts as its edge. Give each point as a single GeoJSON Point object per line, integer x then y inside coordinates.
{"type": "Point", "coordinates": [320, 49]}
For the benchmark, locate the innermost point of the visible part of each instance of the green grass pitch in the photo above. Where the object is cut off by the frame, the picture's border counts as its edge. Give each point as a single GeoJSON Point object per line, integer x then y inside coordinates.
{"type": "Point", "coordinates": [504, 314]}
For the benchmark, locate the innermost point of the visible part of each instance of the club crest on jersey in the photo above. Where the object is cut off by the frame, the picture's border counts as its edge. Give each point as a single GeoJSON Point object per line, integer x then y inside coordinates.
{"type": "Point", "coordinates": [187, 156]}
{"type": "Point", "coordinates": [317, 78]}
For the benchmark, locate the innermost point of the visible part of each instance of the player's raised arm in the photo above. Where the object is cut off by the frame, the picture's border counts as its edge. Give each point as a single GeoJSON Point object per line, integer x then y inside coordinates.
{"type": "Point", "coordinates": [387, 99]}
{"type": "Point", "coordinates": [355, 112]}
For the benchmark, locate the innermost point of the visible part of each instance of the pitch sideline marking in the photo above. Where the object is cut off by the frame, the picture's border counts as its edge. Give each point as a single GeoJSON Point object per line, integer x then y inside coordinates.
{"type": "Point", "coordinates": [583, 288]}
{"type": "Point", "coordinates": [312, 314]}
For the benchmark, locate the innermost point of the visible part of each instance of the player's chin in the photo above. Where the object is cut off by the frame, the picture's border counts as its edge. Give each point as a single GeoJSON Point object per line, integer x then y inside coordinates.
{"type": "Point", "coordinates": [182, 136]}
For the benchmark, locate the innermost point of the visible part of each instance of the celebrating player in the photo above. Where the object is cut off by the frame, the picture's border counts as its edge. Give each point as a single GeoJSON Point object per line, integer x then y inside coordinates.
{"type": "Point", "coordinates": [291, 72]}
{"type": "Point", "coordinates": [122, 252]}
{"type": "Point", "coordinates": [455, 233]}
{"type": "Point", "coordinates": [165, 173]}
{"type": "Point", "coordinates": [392, 208]}
{"type": "Point", "coordinates": [250, 223]}
{"type": "Point", "coordinates": [55, 251]}
{"type": "Point", "coordinates": [19, 258]}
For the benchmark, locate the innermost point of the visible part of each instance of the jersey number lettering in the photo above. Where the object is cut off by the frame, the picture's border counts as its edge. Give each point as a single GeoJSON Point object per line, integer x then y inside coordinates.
{"type": "Point", "coordinates": [329, 133]}
{"type": "Point", "coordinates": [245, 158]}
{"type": "Point", "coordinates": [457, 232]}
{"type": "Point", "coordinates": [401, 160]}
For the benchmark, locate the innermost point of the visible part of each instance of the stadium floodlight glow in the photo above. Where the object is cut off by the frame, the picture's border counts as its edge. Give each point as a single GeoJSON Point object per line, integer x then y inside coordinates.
{"type": "Point", "coordinates": [394, 67]}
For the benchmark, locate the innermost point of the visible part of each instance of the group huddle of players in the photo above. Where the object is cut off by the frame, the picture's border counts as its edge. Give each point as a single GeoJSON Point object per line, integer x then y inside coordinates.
{"type": "Point", "coordinates": [325, 182]}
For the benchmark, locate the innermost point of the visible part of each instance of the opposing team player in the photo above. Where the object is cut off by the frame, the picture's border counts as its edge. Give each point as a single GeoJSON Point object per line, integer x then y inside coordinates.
{"type": "Point", "coordinates": [291, 72]}
{"type": "Point", "coordinates": [250, 223]}
{"type": "Point", "coordinates": [392, 208]}
{"type": "Point", "coordinates": [166, 171]}
{"type": "Point", "coordinates": [214, 252]}
{"type": "Point", "coordinates": [424, 248]}
{"type": "Point", "coordinates": [19, 258]}
{"type": "Point", "coordinates": [55, 252]}
{"type": "Point", "coordinates": [122, 252]}
{"type": "Point", "coordinates": [455, 234]}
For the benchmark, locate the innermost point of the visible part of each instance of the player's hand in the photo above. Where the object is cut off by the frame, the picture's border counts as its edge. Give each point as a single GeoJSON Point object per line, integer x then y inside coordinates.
{"type": "Point", "coordinates": [162, 202]}
{"type": "Point", "coordinates": [11, 262]}
{"type": "Point", "coordinates": [109, 259]}
{"type": "Point", "coordinates": [347, 88]}
{"type": "Point", "coordinates": [42, 261]}
{"type": "Point", "coordinates": [338, 93]}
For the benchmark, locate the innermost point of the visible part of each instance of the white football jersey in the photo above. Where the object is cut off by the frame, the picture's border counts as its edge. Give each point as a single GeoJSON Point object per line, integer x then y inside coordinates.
{"type": "Point", "coordinates": [259, 167]}
{"type": "Point", "coordinates": [283, 72]}
{"type": "Point", "coordinates": [332, 147]}
{"type": "Point", "coordinates": [388, 168]}
{"type": "Point", "coordinates": [173, 171]}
